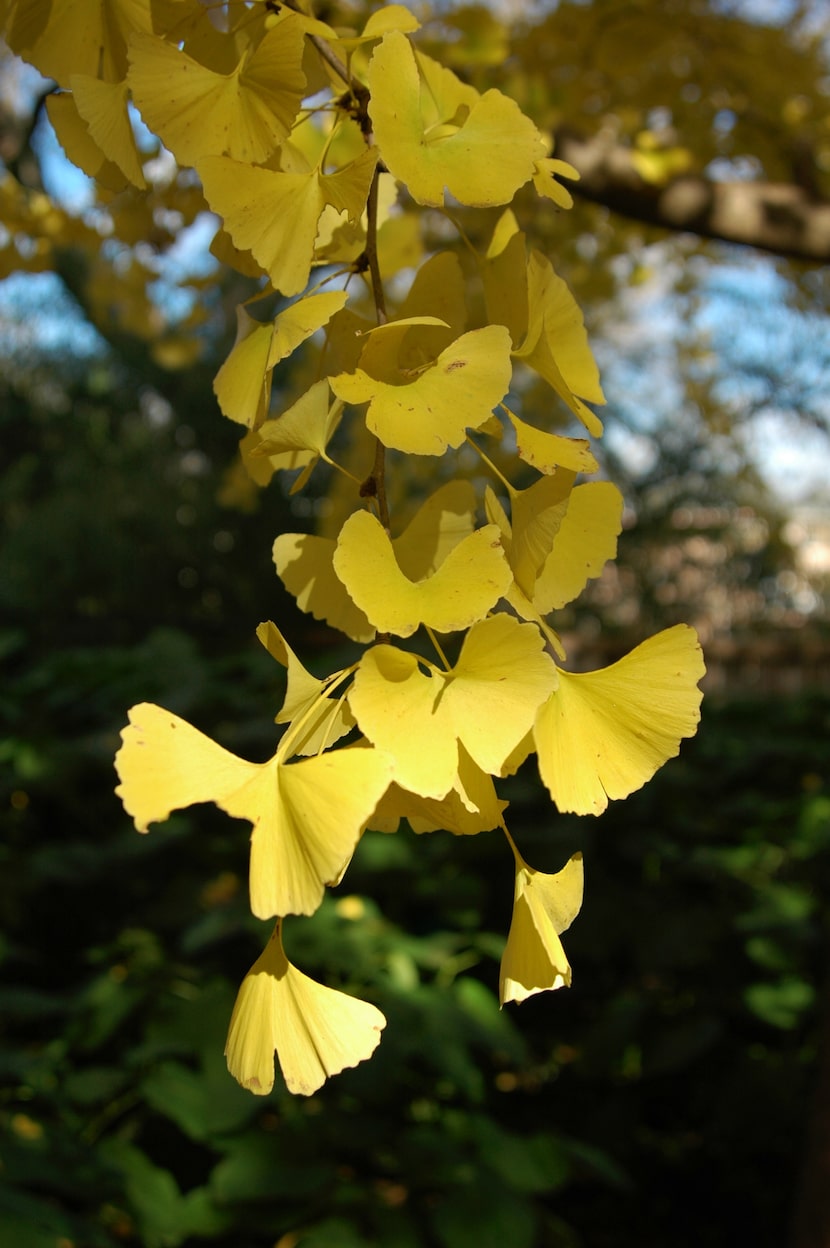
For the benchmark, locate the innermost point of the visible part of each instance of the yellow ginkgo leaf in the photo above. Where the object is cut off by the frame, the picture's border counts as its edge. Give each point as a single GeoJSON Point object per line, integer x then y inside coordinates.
{"type": "Point", "coordinates": [72, 133]}
{"type": "Point", "coordinates": [439, 524]}
{"type": "Point", "coordinates": [243, 383]}
{"type": "Point", "coordinates": [479, 810]}
{"type": "Point", "coordinates": [544, 179]}
{"type": "Point", "coordinates": [309, 830]}
{"type": "Point", "coordinates": [543, 361]}
{"type": "Point", "coordinates": [394, 702]}
{"type": "Point", "coordinates": [537, 514]}
{"type": "Point", "coordinates": [296, 323]}
{"type": "Point", "coordinates": [481, 152]}
{"type": "Point", "coordinates": [603, 734]}
{"type": "Point", "coordinates": [197, 112]}
{"type": "Point", "coordinates": [103, 106]}
{"type": "Point", "coordinates": [383, 345]}
{"type": "Point", "coordinates": [486, 703]}
{"type": "Point", "coordinates": [469, 582]}
{"type": "Point", "coordinates": [547, 452]}
{"type": "Point", "coordinates": [319, 720]}
{"type": "Point", "coordinates": [544, 906]}
{"type": "Point", "coordinates": [494, 690]}
{"type": "Point", "coordinates": [274, 214]}
{"type": "Point", "coordinates": [315, 1031]}
{"type": "Point", "coordinates": [306, 426]}
{"type": "Point", "coordinates": [434, 411]}
{"type": "Point", "coordinates": [306, 817]}
{"type": "Point", "coordinates": [439, 289]}
{"type": "Point", "coordinates": [585, 541]}
{"type": "Point", "coordinates": [261, 468]}
{"type": "Point", "coordinates": [504, 277]}
{"type": "Point", "coordinates": [546, 326]}
{"type": "Point", "coordinates": [304, 565]}
{"type": "Point", "coordinates": [390, 17]}
{"type": "Point", "coordinates": [63, 38]}
{"type": "Point", "coordinates": [563, 328]}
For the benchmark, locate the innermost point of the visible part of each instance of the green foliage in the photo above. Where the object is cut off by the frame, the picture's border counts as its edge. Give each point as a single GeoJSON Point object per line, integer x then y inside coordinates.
{"type": "Point", "coordinates": [678, 1063]}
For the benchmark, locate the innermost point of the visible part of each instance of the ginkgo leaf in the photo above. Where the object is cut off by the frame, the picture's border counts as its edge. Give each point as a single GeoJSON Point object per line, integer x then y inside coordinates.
{"type": "Point", "coordinates": [479, 810]}
{"type": "Point", "coordinates": [388, 17]}
{"type": "Point", "coordinates": [434, 411]}
{"type": "Point", "coordinates": [309, 830]}
{"type": "Point", "coordinates": [563, 328]}
{"type": "Point", "coordinates": [304, 565]}
{"type": "Point", "coordinates": [274, 214]}
{"type": "Point", "coordinates": [384, 343]}
{"type": "Point", "coordinates": [481, 153]}
{"type": "Point", "coordinates": [504, 277]}
{"type": "Point", "coordinates": [306, 817]}
{"type": "Point", "coordinates": [501, 678]}
{"type": "Point", "coordinates": [319, 721]}
{"type": "Point", "coordinates": [544, 906]}
{"type": "Point", "coordinates": [439, 288]}
{"type": "Point", "coordinates": [306, 426]}
{"type": "Point", "coordinates": [302, 689]}
{"type": "Point", "coordinates": [547, 329]}
{"type": "Point", "coordinates": [197, 112]}
{"type": "Point", "coordinates": [296, 323]}
{"type": "Point", "coordinates": [546, 452]}
{"type": "Point", "coordinates": [537, 514]}
{"type": "Point", "coordinates": [261, 468]}
{"type": "Point", "coordinates": [585, 541]}
{"type": "Point", "coordinates": [103, 106]}
{"type": "Point", "coordinates": [487, 702]}
{"type": "Point", "coordinates": [315, 1031]}
{"type": "Point", "coordinates": [440, 523]}
{"type": "Point", "coordinates": [543, 361]}
{"type": "Point", "coordinates": [88, 38]}
{"type": "Point", "coordinates": [603, 734]}
{"type": "Point", "coordinates": [469, 582]}
{"type": "Point", "coordinates": [72, 133]}
{"type": "Point", "coordinates": [243, 384]}
{"type": "Point", "coordinates": [394, 702]}
{"type": "Point", "coordinates": [545, 174]}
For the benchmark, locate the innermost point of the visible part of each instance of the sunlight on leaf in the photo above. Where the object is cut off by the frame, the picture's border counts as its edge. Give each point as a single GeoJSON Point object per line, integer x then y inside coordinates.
{"type": "Point", "coordinates": [544, 906]}
{"type": "Point", "coordinates": [603, 734]}
{"type": "Point", "coordinates": [315, 1031]}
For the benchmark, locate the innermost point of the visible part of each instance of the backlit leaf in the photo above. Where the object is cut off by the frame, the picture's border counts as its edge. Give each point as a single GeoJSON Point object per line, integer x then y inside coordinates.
{"type": "Point", "coordinates": [274, 215]}
{"type": "Point", "coordinates": [435, 409]}
{"type": "Point", "coordinates": [469, 582]}
{"type": "Point", "coordinates": [586, 540]}
{"type": "Point", "coordinates": [315, 1031]}
{"type": "Point", "coordinates": [544, 906]}
{"type": "Point", "coordinates": [482, 151]}
{"type": "Point", "coordinates": [197, 112]}
{"type": "Point", "coordinates": [603, 734]}
{"type": "Point", "coordinates": [306, 817]}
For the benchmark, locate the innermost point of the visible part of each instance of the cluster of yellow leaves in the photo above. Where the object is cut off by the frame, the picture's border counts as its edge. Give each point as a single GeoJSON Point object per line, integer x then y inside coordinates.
{"type": "Point", "coordinates": [307, 142]}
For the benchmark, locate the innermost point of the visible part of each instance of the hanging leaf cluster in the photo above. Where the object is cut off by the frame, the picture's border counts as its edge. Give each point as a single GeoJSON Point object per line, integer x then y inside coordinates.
{"type": "Point", "coordinates": [327, 157]}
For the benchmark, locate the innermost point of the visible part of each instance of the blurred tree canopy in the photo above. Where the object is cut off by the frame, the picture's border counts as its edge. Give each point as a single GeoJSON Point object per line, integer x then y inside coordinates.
{"type": "Point", "coordinates": [684, 150]}
{"type": "Point", "coordinates": [134, 563]}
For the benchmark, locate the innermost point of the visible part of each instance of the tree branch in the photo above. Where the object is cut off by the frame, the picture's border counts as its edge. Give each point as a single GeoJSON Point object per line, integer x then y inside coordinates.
{"type": "Point", "coordinates": [778, 217]}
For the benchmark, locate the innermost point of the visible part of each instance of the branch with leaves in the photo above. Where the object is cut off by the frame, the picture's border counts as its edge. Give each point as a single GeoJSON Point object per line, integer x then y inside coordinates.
{"type": "Point", "coordinates": [328, 156]}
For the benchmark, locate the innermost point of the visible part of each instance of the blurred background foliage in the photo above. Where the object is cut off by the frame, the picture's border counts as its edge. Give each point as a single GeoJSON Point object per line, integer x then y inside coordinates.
{"type": "Point", "coordinates": [678, 1073]}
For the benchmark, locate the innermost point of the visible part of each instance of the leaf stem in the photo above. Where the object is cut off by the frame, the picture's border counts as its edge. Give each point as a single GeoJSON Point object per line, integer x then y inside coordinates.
{"type": "Point", "coordinates": [375, 485]}
{"type": "Point", "coordinates": [510, 489]}
{"type": "Point", "coordinates": [435, 642]}
{"type": "Point", "coordinates": [294, 729]}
